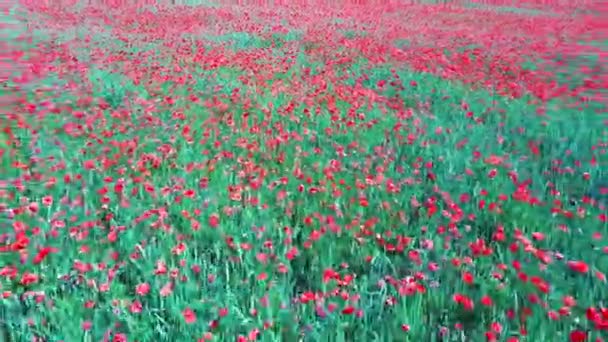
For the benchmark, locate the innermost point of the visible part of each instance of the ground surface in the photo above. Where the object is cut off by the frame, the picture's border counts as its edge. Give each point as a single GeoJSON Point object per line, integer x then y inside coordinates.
{"type": "Point", "coordinates": [303, 173]}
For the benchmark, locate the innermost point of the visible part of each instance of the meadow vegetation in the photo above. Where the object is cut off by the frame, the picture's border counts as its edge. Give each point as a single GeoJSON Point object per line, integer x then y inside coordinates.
{"type": "Point", "coordinates": [303, 172]}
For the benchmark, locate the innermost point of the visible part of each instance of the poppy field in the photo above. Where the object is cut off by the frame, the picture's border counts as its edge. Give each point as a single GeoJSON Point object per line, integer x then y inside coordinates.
{"type": "Point", "coordinates": [303, 172]}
